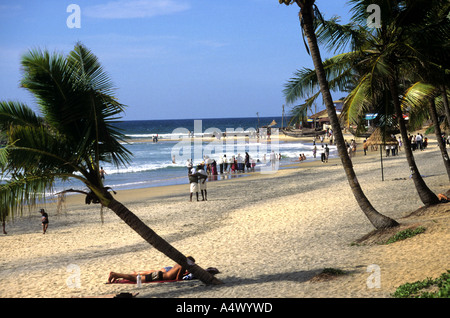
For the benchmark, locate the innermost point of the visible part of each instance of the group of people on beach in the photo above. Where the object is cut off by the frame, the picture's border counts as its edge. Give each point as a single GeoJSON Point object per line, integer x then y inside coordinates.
{"type": "Point", "coordinates": [323, 150]}
{"type": "Point", "coordinates": [417, 142]}
{"type": "Point", "coordinates": [197, 180]}
{"type": "Point", "coordinates": [224, 165]}
{"type": "Point", "coordinates": [199, 174]}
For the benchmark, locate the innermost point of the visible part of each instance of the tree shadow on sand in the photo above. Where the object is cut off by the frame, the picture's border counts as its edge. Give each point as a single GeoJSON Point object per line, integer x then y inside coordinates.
{"type": "Point", "coordinates": [185, 288]}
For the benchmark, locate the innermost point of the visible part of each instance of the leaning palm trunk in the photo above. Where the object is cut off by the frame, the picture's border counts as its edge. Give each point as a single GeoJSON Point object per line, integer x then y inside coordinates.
{"type": "Point", "coordinates": [443, 89]}
{"type": "Point", "coordinates": [156, 241]}
{"type": "Point", "coordinates": [437, 131]}
{"type": "Point", "coordinates": [75, 134]}
{"type": "Point", "coordinates": [378, 220]}
{"type": "Point", "coordinates": [425, 194]}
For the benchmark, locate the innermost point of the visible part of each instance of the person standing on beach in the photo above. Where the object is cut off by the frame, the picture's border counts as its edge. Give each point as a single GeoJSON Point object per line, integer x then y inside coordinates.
{"type": "Point", "coordinates": [272, 159]}
{"type": "Point", "coordinates": [220, 162]}
{"type": "Point", "coordinates": [225, 163]}
{"type": "Point", "coordinates": [240, 163]}
{"type": "Point", "coordinates": [202, 176]}
{"type": "Point", "coordinates": [327, 152]}
{"type": "Point", "coordinates": [189, 165]}
{"type": "Point", "coordinates": [419, 141]}
{"type": "Point", "coordinates": [193, 182]}
{"type": "Point", "coordinates": [233, 165]}
{"type": "Point", "coordinates": [44, 221]}
{"type": "Point", "coordinates": [102, 173]}
{"type": "Point", "coordinates": [322, 154]}
{"type": "Point", "coordinates": [247, 161]}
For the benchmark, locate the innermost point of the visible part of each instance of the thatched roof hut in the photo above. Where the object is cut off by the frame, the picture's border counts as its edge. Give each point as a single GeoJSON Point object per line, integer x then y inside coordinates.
{"type": "Point", "coordinates": [379, 137]}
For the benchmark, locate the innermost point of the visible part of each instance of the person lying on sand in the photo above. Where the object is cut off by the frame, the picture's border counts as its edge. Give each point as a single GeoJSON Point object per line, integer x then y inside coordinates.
{"type": "Point", "coordinates": [443, 198]}
{"type": "Point", "coordinates": [167, 273]}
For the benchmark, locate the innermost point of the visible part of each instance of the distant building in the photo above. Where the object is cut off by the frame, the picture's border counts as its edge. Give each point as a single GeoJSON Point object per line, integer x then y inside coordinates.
{"type": "Point", "coordinates": [321, 118]}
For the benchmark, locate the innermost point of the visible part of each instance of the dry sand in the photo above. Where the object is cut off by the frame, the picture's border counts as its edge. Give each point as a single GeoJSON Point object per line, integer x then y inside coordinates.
{"type": "Point", "coordinates": [268, 234]}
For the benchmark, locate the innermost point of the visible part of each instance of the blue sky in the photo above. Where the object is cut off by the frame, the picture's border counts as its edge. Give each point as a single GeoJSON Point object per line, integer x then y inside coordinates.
{"type": "Point", "coordinates": [170, 58]}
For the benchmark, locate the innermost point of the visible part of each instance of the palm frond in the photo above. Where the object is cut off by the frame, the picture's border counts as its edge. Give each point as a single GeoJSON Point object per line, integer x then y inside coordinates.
{"type": "Point", "coordinates": [358, 101]}
{"type": "Point", "coordinates": [338, 69]}
{"type": "Point", "coordinates": [16, 113]}
{"type": "Point", "coordinates": [75, 97]}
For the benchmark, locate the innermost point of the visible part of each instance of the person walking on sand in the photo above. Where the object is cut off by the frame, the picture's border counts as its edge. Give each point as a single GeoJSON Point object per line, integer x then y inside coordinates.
{"type": "Point", "coordinates": [44, 220]}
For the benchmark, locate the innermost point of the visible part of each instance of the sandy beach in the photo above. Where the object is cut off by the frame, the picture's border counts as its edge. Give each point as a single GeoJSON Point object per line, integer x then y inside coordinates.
{"type": "Point", "coordinates": [268, 234]}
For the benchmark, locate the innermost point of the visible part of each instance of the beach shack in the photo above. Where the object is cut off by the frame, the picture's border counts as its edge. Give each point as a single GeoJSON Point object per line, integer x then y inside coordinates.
{"type": "Point", "coordinates": [321, 118]}
{"type": "Point", "coordinates": [381, 138]}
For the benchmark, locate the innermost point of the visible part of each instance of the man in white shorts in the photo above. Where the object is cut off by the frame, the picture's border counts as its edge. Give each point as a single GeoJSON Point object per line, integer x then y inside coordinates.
{"type": "Point", "coordinates": [202, 176]}
{"type": "Point", "coordinates": [193, 182]}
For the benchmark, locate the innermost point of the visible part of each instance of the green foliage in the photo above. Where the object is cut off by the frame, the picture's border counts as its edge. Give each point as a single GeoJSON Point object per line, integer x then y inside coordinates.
{"type": "Point", "coordinates": [376, 54]}
{"type": "Point", "coordinates": [75, 133]}
{"type": "Point", "coordinates": [427, 288]}
{"type": "Point", "coordinates": [402, 235]}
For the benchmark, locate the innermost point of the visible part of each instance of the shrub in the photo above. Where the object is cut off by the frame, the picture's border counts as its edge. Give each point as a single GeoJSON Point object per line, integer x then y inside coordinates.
{"type": "Point", "coordinates": [428, 288]}
{"type": "Point", "coordinates": [402, 235]}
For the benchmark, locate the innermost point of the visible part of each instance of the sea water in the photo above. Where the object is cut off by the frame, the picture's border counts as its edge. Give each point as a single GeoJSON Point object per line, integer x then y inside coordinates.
{"type": "Point", "coordinates": [152, 162]}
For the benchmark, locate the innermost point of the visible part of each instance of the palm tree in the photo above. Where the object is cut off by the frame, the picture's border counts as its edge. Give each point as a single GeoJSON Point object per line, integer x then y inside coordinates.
{"type": "Point", "coordinates": [75, 133]}
{"type": "Point", "coordinates": [432, 24]}
{"type": "Point", "coordinates": [421, 98]}
{"type": "Point", "coordinates": [307, 17]}
{"type": "Point", "coordinates": [385, 57]}
{"type": "Point", "coordinates": [391, 56]}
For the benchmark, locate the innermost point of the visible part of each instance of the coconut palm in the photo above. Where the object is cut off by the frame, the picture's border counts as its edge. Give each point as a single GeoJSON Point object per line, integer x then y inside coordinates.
{"type": "Point", "coordinates": [431, 20]}
{"type": "Point", "coordinates": [393, 56]}
{"type": "Point", "coordinates": [432, 73]}
{"type": "Point", "coordinates": [384, 62]}
{"type": "Point", "coordinates": [307, 22]}
{"type": "Point", "coordinates": [420, 98]}
{"type": "Point", "coordinates": [74, 134]}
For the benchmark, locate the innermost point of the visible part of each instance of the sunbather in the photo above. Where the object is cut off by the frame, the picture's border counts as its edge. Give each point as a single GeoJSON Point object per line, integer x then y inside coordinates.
{"type": "Point", "coordinates": [443, 198]}
{"type": "Point", "coordinates": [167, 273]}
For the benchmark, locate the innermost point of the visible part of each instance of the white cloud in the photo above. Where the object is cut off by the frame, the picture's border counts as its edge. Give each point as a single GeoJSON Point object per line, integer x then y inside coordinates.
{"type": "Point", "coordinates": [122, 9]}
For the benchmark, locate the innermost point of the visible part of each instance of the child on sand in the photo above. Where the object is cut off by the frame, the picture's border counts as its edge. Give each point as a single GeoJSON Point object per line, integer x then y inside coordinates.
{"type": "Point", "coordinates": [44, 220]}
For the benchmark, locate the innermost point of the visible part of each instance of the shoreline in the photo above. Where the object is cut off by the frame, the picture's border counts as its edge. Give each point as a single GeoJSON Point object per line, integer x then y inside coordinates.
{"type": "Point", "coordinates": [267, 234]}
{"type": "Point", "coordinates": [160, 190]}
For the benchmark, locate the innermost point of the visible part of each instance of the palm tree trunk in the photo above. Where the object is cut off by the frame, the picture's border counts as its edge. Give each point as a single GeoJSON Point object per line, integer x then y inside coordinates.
{"type": "Point", "coordinates": [425, 194]}
{"type": "Point", "coordinates": [378, 220]}
{"type": "Point", "coordinates": [158, 242]}
{"type": "Point", "coordinates": [437, 131]}
{"type": "Point", "coordinates": [445, 102]}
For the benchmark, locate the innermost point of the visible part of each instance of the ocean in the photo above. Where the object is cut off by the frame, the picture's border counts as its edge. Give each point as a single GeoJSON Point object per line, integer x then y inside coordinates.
{"type": "Point", "coordinates": [163, 162]}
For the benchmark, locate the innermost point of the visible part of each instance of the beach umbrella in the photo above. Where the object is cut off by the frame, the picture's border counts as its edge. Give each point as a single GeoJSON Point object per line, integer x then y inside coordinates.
{"type": "Point", "coordinates": [379, 137]}
{"type": "Point", "coordinates": [273, 123]}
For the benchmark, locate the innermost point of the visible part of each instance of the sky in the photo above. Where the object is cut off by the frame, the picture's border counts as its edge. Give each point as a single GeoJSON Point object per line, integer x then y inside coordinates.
{"type": "Point", "coordinates": [169, 59]}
